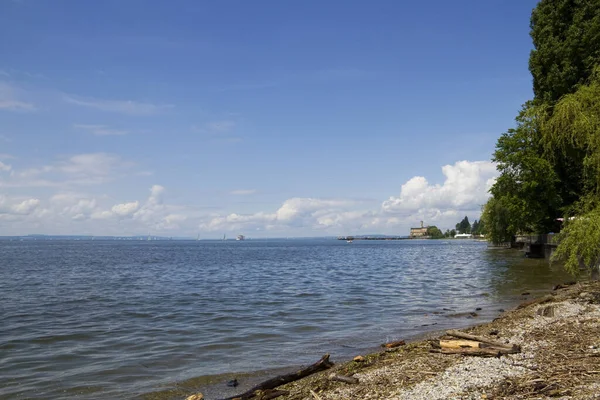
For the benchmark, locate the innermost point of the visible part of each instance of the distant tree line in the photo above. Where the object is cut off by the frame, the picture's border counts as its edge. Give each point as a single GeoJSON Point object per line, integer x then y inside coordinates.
{"type": "Point", "coordinates": [464, 226]}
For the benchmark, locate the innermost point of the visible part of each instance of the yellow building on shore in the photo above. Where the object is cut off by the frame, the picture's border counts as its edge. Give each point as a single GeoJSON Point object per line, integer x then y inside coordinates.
{"type": "Point", "coordinates": [418, 232]}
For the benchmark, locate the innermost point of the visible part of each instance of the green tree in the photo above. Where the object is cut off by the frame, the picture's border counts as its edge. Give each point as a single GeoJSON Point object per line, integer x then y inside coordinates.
{"type": "Point", "coordinates": [566, 40]}
{"type": "Point", "coordinates": [482, 230]}
{"type": "Point", "coordinates": [579, 244]}
{"type": "Point", "coordinates": [573, 131]}
{"type": "Point", "coordinates": [464, 226]}
{"type": "Point", "coordinates": [496, 217]}
{"type": "Point", "coordinates": [527, 186]}
{"type": "Point", "coordinates": [434, 232]}
{"type": "Point", "coordinates": [452, 232]}
{"type": "Point", "coordinates": [475, 227]}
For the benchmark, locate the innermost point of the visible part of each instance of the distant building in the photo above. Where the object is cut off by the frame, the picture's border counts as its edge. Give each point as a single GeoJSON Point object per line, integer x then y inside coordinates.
{"type": "Point", "coordinates": [463, 236]}
{"type": "Point", "coordinates": [418, 232]}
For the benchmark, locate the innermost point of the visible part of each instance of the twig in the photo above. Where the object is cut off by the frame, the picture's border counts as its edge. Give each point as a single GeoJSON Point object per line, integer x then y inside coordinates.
{"type": "Point", "coordinates": [316, 396]}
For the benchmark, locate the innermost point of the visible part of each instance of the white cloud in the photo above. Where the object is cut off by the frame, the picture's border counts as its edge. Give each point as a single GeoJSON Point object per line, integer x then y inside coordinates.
{"type": "Point", "coordinates": [243, 192]}
{"type": "Point", "coordinates": [26, 206]}
{"type": "Point", "coordinates": [10, 99]}
{"type": "Point", "coordinates": [127, 107]}
{"type": "Point", "coordinates": [14, 206]}
{"type": "Point", "coordinates": [465, 188]}
{"type": "Point", "coordinates": [125, 209]}
{"type": "Point", "coordinates": [80, 169]}
{"type": "Point", "coordinates": [4, 167]}
{"type": "Point", "coordinates": [461, 193]}
{"type": "Point", "coordinates": [100, 130]}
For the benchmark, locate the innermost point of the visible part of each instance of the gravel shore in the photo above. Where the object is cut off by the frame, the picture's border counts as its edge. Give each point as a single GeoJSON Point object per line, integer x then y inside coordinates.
{"type": "Point", "coordinates": [559, 336]}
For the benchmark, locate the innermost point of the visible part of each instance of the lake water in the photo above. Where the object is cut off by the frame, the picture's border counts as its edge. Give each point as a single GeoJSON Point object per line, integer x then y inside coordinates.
{"type": "Point", "coordinates": [109, 319]}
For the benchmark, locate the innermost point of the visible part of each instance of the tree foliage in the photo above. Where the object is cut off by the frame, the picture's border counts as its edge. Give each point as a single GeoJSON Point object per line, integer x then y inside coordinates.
{"type": "Point", "coordinates": [527, 185]}
{"type": "Point", "coordinates": [549, 163]}
{"type": "Point", "coordinates": [573, 130]}
{"type": "Point", "coordinates": [464, 226]}
{"type": "Point", "coordinates": [434, 232]}
{"type": "Point", "coordinates": [566, 39]}
{"type": "Point", "coordinates": [579, 243]}
{"type": "Point", "coordinates": [496, 217]}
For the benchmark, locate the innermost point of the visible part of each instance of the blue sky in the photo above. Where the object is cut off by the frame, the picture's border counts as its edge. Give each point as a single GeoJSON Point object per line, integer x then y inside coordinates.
{"type": "Point", "coordinates": [269, 118]}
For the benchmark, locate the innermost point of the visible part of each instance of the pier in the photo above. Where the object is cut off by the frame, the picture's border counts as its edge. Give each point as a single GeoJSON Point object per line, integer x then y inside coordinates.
{"type": "Point", "coordinates": [373, 238]}
{"type": "Point", "coordinates": [536, 246]}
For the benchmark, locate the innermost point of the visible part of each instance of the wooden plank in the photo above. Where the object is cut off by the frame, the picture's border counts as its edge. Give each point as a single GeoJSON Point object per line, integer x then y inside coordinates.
{"type": "Point", "coordinates": [459, 344]}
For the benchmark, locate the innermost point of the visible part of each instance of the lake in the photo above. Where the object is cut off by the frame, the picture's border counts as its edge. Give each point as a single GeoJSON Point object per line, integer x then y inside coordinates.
{"type": "Point", "coordinates": [118, 319]}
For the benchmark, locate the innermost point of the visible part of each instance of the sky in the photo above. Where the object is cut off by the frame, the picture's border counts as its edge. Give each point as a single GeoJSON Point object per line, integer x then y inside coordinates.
{"type": "Point", "coordinates": [265, 118]}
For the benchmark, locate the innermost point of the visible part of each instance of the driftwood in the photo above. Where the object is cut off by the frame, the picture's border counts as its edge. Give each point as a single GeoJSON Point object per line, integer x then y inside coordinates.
{"type": "Point", "coordinates": [485, 342]}
{"type": "Point", "coordinates": [540, 300]}
{"type": "Point", "coordinates": [320, 365]}
{"type": "Point", "coordinates": [343, 378]}
{"type": "Point", "coordinates": [270, 394]}
{"type": "Point", "coordinates": [459, 344]}
{"type": "Point", "coordinates": [392, 345]}
{"type": "Point", "coordinates": [485, 352]}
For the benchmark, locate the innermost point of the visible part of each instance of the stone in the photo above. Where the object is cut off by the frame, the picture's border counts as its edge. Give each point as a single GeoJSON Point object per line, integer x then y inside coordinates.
{"type": "Point", "coordinates": [233, 383]}
{"type": "Point", "coordinates": [358, 359]}
{"type": "Point", "coordinates": [547, 311]}
{"type": "Point", "coordinates": [197, 396]}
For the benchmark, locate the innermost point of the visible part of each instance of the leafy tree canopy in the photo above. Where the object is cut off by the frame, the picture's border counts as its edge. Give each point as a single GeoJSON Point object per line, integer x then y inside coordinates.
{"type": "Point", "coordinates": [434, 232]}
{"type": "Point", "coordinates": [464, 226]}
{"type": "Point", "coordinates": [579, 243]}
{"type": "Point", "coordinates": [566, 39]}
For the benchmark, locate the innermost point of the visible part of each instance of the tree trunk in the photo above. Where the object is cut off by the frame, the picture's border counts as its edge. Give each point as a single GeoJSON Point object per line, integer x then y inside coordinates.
{"type": "Point", "coordinates": [320, 365]}
{"type": "Point", "coordinates": [595, 272]}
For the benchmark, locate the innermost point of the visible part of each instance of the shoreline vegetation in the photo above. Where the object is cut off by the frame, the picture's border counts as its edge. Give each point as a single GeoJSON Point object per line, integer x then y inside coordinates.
{"type": "Point", "coordinates": [546, 347]}
{"type": "Point", "coordinates": [549, 163]}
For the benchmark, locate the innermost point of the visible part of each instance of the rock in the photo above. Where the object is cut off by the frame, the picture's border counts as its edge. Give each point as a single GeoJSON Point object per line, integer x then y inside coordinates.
{"type": "Point", "coordinates": [394, 344]}
{"type": "Point", "coordinates": [525, 294]}
{"type": "Point", "coordinates": [501, 310]}
{"type": "Point", "coordinates": [547, 311]}
{"type": "Point", "coordinates": [478, 309]}
{"type": "Point", "coordinates": [586, 296]}
{"type": "Point", "coordinates": [197, 396]}
{"type": "Point", "coordinates": [494, 332]}
{"type": "Point", "coordinates": [473, 314]}
{"type": "Point", "coordinates": [358, 359]}
{"type": "Point", "coordinates": [233, 383]}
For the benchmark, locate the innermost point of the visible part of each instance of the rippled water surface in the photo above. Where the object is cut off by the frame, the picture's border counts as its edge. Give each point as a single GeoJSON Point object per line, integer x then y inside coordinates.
{"type": "Point", "coordinates": [107, 319]}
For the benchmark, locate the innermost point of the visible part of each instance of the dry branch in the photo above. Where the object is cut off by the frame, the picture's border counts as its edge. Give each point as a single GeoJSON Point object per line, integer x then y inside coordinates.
{"type": "Point", "coordinates": [391, 345]}
{"type": "Point", "coordinates": [343, 378]}
{"type": "Point", "coordinates": [485, 352]}
{"type": "Point", "coordinates": [320, 365]}
{"type": "Point", "coordinates": [491, 343]}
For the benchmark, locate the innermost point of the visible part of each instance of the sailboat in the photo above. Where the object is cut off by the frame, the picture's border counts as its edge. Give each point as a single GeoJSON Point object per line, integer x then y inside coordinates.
{"type": "Point", "coordinates": [224, 237]}
{"type": "Point", "coordinates": [198, 237]}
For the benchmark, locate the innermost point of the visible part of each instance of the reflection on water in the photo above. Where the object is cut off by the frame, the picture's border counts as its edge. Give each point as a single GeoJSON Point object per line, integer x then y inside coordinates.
{"type": "Point", "coordinates": [116, 319]}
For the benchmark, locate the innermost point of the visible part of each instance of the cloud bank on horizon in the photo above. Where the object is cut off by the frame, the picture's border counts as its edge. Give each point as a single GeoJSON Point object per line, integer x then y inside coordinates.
{"type": "Point", "coordinates": [463, 192]}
